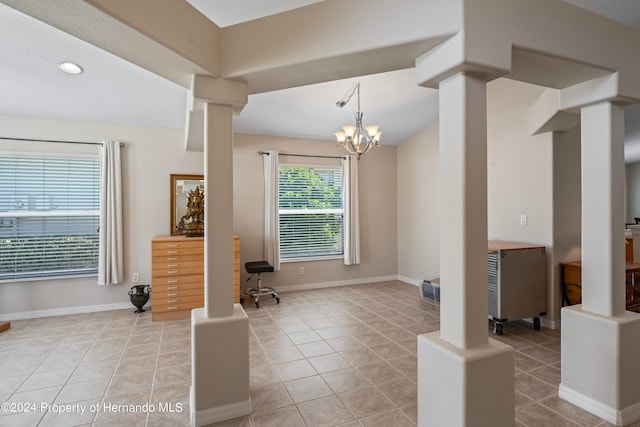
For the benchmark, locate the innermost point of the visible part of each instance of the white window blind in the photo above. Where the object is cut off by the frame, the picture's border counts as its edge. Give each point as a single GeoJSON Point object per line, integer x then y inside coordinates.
{"type": "Point", "coordinates": [49, 216]}
{"type": "Point", "coordinates": [310, 212]}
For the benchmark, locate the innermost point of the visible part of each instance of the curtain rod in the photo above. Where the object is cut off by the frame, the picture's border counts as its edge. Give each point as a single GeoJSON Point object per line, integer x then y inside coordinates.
{"type": "Point", "coordinates": [55, 141]}
{"type": "Point", "coordinates": [305, 155]}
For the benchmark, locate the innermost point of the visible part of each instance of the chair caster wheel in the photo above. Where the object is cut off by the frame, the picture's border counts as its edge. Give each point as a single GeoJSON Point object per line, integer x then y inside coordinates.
{"type": "Point", "coordinates": [241, 300]}
{"type": "Point", "coordinates": [277, 300]}
{"type": "Point", "coordinates": [273, 296]}
{"type": "Point", "coordinates": [257, 304]}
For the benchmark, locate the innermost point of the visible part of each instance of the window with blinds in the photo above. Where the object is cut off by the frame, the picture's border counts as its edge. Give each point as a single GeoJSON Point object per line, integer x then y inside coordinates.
{"type": "Point", "coordinates": [310, 212]}
{"type": "Point", "coordinates": [49, 216]}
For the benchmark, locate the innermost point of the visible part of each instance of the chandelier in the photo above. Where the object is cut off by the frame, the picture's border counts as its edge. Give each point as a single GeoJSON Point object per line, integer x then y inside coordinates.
{"type": "Point", "coordinates": [357, 139]}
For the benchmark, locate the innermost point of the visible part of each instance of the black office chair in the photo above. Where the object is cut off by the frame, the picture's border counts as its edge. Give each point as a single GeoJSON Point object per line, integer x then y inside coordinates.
{"type": "Point", "coordinates": [259, 267]}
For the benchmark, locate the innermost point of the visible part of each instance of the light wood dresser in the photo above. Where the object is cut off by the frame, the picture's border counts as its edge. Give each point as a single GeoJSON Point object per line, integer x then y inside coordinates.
{"type": "Point", "coordinates": [177, 276]}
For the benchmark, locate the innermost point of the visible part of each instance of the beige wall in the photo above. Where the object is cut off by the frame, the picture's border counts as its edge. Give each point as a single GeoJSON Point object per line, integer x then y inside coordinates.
{"type": "Point", "coordinates": [519, 166]}
{"type": "Point", "coordinates": [150, 156]}
{"type": "Point", "coordinates": [377, 178]}
{"type": "Point", "coordinates": [419, 207]}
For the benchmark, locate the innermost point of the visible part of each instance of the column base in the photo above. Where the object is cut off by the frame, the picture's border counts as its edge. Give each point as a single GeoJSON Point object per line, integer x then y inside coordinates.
{"type": "Point", "coordinates": [219, 367]}
{"type": "Point", "coordinates": [599, 364]}
{"type": "Point", "coordinates": [458, 387]}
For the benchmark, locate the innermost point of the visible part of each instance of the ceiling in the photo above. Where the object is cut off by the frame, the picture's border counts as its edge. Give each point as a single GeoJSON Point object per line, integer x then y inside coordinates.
{"type": "Point", "coordinates": [114, 90]}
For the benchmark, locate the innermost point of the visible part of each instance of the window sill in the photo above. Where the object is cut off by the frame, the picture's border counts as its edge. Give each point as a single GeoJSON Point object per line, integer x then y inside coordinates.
{"type": "Point", "coordinates": [48, 278]}
{"type": "Point", "coordinates": [321, 258]}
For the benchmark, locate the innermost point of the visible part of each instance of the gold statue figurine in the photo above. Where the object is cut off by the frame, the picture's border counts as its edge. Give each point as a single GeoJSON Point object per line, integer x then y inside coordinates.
{"type": "Point", "coordinates": [193, 221]}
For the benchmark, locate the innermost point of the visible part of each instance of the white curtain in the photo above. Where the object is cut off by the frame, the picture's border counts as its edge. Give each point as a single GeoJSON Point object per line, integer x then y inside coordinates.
{"type": "Point", "coordinates": [351, 210]}
{"type": "Point", "coordinates": [271, 223]}
{"type": "Point", "coordinates": [110, 265]}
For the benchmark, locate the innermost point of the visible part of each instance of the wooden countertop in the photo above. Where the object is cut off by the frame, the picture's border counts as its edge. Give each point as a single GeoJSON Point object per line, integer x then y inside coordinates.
{"type": "Point", "coordinates": [499, 245]}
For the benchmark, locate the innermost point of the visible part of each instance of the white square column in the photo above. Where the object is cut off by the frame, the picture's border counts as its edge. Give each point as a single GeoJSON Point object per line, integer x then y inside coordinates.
{"type": "Point", "coordinates": [218, 210]}
{"type": "Point", "coordinates": [220, 330]}
{"type": "Point", "coordinates": [464, 378]}
{"type": "Point", "coordinates": [603, 253]}
{"type": "Point", "coordinates": [600, 340]}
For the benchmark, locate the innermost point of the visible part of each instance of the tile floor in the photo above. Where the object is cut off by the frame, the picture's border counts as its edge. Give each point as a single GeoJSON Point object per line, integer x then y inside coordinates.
{"type": "Point", "coordinates": [329, 357]}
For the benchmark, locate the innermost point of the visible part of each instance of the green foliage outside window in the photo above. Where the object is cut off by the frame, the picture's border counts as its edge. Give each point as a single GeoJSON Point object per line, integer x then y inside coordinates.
{"type": "Point", "coordinates": [311, 212]}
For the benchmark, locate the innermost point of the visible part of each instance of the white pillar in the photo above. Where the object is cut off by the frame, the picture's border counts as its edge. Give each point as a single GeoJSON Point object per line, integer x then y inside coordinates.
{"type": "Point", "coordinates": [220, 330]}
{"type": "Point", "coordinates": [600, 340]}
{"type": "Point", "coordinates": [464, 378]}
{"type": "Point", "coordinates": [603, 254]}
{"type": "Point", "coordinates": [463, 227]}
{"type": "Point", "coordinates": [218, 238]}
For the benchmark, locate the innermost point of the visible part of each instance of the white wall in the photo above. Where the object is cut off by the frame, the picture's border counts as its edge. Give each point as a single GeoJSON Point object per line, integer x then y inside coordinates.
{"type": "Point", "coordinates": [149, 157]}
{"type": "Point", "coordinates": [419, 207]}
{"type": "Point", "coordinates": [377, 179]}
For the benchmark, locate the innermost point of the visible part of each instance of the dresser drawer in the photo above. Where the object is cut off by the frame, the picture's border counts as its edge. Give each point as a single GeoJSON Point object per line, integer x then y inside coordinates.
{"type": "Point", "coordinates": [178, 293]}
{"type": "Point", "coordinates": [169, 272]}
{"type": "Point", "coordinates": [177, 243]}
{"type": "Point", "coordinates": [186, 282]}
{"type": "Point", "coordinates": [191, 250]}
{"type": "Point", "coordinates": [177, 258]}
{"type": "Point", "coordinates": [173, 265]}
{"type": "Point", "coordinates": [177, 305]}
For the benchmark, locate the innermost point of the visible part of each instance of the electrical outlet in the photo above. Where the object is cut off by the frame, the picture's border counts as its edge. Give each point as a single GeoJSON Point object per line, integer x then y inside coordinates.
{"type": "Point", "coordinates": [135, 278]}
{"type": "Point", "coordinates": [523, 220]}
{"type": "Point", "coordinates": [300, 271]}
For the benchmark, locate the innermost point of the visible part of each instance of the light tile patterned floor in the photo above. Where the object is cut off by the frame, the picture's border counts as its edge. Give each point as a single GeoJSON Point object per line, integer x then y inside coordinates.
{"type": "Point", "coordinates": [329, 357]}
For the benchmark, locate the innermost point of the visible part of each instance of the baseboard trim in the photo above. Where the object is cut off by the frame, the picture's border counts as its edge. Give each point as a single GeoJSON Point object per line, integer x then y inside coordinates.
{"type": "Point", "coordinates": [607, 413]}
{"type": "Point", "coordinates": [220, 413]}
{"type": "Point", "coordinates": [631, 414]}
{"type": "Point", "coordinates": [320, 285]}
{"type": "Point", "coordinates": [68, 310]}
{"type": "Point", "coordinates": [410, 281]}
{"type": "Point", "coordinates": [550, 324]}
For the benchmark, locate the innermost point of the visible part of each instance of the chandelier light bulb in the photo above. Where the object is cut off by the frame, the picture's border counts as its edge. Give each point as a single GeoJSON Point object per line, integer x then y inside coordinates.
{"type": "Point", "coordinates": [349, 131]}
{"type": "Point", "coordinates": [372, 131]}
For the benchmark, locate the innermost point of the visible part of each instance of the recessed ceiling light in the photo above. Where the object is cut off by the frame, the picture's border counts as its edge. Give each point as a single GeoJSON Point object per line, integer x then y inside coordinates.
{"type": "Point", "coordinates": [70, 68]}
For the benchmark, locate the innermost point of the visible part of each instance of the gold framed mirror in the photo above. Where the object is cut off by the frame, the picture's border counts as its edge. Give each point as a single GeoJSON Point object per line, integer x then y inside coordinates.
{"type": "Point", "coordinates": [181, 186]}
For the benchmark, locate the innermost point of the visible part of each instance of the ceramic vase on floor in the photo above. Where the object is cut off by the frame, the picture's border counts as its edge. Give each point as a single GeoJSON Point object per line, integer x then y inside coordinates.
{"type": "Point", "coordinates": [139, 295]}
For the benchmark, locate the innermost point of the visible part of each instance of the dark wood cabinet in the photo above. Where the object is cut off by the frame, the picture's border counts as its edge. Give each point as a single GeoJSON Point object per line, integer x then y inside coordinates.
{"type": "Point", "coordinates": [571, 284]}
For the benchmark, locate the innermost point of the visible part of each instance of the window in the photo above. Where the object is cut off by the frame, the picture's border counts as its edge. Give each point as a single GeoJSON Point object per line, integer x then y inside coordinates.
{"type": "Point", "coordinates": [310, 212]}
{"type": "Point", "coordinates": [49, 216]}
